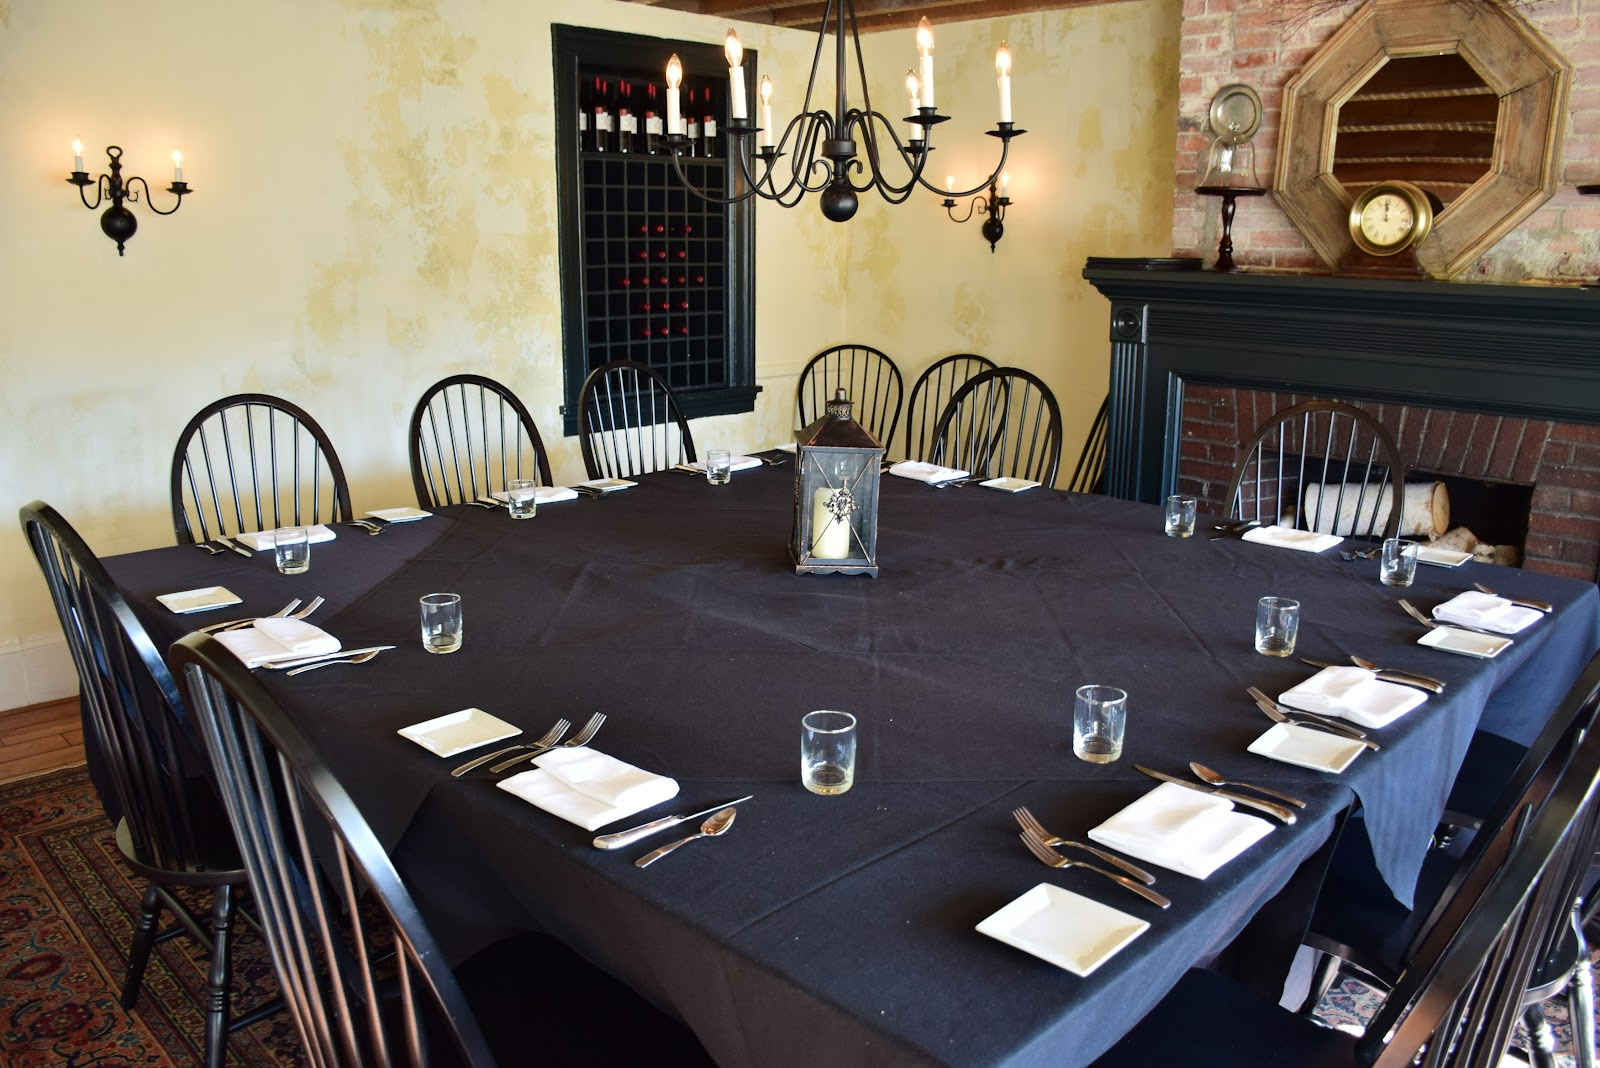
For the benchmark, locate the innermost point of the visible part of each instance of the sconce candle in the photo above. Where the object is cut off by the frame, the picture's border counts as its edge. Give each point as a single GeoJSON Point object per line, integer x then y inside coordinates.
{"type": "Point", "coordinates": [766, 113]}
{"type": "Point", "coordinates": [177, 166]}
{"type": "Point", "coordinates": [1002, 66]}
{"type": "Point", "coordinates": [674, 106]}
{"type": "Point", "coordinates": [925, 64]}
{"type": "Point", "coordinates": [735, 52]}
{"type": "Point", "coordinates": [77, 156]}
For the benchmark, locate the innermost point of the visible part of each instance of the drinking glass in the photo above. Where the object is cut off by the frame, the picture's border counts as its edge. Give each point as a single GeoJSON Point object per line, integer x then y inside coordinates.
{"type": "Point", "coordinates": [1098, 719]}
{"type": "Point", "coordinates": [719, 467]}
{"type": "Point", "coordinates": [522, 498]}
{"type": "Point", "coordinates": [827, 752]}
{"type": "Point", "coordinates": [1180, 516]}
{"type": "Point", "coordinates": [441, 622]}
{"type": "Point", "coordinates": [1277, 625]}
{"type": "Point", "coordinates": [1399, 563]}
{"type": "Point", "coordinates": [291, 549]}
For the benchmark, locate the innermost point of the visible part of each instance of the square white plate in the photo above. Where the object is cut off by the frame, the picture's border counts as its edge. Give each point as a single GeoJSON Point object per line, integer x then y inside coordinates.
{"type": "Point", "coordinates": [399, 515]}
{"type": "Point", "coordinates": [1007, 484]}
{"type": "Point", "coordinates": [1441, 557]}
{"type": "Point", "coordinates": [607, 485]}
{"type": "Point", "coordinates": [198, 600]}
{"type": "Point", "coordinates": [1317, 750]}
{"type": "Point", "coordinates": [459, 731]}
{"type": "Point", "coordinates": [1066, 929]}
{"type": "Point", "coordinates": [1465, 642]}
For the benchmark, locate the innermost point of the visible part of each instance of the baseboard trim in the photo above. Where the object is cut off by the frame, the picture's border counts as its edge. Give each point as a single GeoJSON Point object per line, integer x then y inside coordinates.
{"type": "Point", "coordinates": [35, 671]}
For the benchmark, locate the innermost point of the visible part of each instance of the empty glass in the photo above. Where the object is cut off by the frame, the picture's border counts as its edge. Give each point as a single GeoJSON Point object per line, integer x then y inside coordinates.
{"type": "Point", "coordinates": [522, 498]}
{"type": "Point", "coordinates": [441, 622]}
{"type": "Point", "coordinates": [1277, 625]}
{"type": "Point", "coordinates": [827, 752]}
{"type": "Point", "coordinates": [291, 549]}
{"type": "Point", "coordinates": [719, 467]}
{"type": "Point", "coordinates": [1099, 717]}
{"type": "Point", "coordinates": [1399, 562]}
{"type": "Point", "coordinates": [1180, 516]}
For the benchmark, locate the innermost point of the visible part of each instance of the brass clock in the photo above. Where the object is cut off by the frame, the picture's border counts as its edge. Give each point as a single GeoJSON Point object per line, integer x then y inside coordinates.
{"type": "Point", "coordinates": [1390, 217]}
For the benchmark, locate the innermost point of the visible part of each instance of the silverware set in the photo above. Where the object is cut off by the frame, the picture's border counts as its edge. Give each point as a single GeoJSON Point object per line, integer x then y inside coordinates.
{"type": "Point", "coordinates": [1360, 554]}
{"type": "Point", "coordinates": [371, 526]}
{"type": "Point", "coordinates": [286, 612]}
{"type": "Point", "coordinates": [1268, 807]}
{"type": "Point", "coordinates": [1433, 624]}
{"type": "Point", "coordinates": [1233, 528]}
{"type": "Point", "coordinates": [299, 664]}
{"type": "Point", "coordinates": [719, 822]}
{"type": "Point", "coordinates": [1038, 840]}
{"type": "Point", "coordinates": [1537, 606]}
{"type": "Point", "coordinates": [586, 732]}
{"type": "Point", "coordinates": [1299, 718]}
{"type": "Point", "coordinates": [528, 750]}
{"type": "Point", "coordinates": [1401, 678]}
{"type": "Point", "coordinates": [223, 543]}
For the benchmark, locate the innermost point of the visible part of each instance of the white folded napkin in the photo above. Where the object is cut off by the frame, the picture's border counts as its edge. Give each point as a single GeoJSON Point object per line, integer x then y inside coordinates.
{"type": "Point", "coordinates": [589, 788]}
{"type": "Point", "coordinates": [264, 539]}
{"type": "Point", "coordinates": [1290, 538]}
{"type": "Point", "coordinates": [1181, 829]}
{"type": "Point", "coordinates": [924, 472]}
{"type": "Point", "coordinates": [543, 494]}
{"type": "Point", "coordinates": [1487, 611]}
{"type": "Point", "coordinates": [1355, 694]}
{"type": "Point", "coordinates": [735, 463]}
{"type": "Point", "coordinates": [275, 639]}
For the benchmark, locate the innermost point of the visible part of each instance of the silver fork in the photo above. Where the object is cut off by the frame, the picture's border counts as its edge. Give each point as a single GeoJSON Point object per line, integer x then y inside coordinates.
{"type": "Point", "coordinates": [240, 624]}
{"type": "Point", "coordinates": [1031, 825]}
{"type": "Point", "coordinates": [539, 745]}
{"type": "Point", "coordinates": [1330, 724]}
{"type": "Point", "coordinates": [208, 547]}
{"type": "Point", "coordinates": [1433, 624]}
{"type": "Point", "coordinates": [369, 527]}
{"type": "Point", "coordinates": [1270, 707]}
{"type": "Point", "coordinates": [232, 623]}
{"type": "Point", "coordinates": [486, 502]}
{"type": "Point", "coordinates": [587, 731]}
{"type": "Point", "coordinates": [1056, 860]}
{"type": "Point", "coordinates": [358, 658]}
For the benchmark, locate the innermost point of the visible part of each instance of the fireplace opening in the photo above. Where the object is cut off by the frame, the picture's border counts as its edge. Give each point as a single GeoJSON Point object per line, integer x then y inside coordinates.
{"type": "Point", "coordinates": [1490, 514]}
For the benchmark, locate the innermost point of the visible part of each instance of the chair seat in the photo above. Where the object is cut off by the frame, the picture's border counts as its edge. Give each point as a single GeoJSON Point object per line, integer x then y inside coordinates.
{"type": "Point", "coordinates": [1209, 1019]}
{"type": "Point", "coordinates": [215, 863]}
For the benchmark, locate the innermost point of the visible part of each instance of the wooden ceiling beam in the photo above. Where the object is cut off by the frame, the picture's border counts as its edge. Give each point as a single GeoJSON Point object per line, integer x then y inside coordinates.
{"type": "Point", "coordinates": [871, 15]}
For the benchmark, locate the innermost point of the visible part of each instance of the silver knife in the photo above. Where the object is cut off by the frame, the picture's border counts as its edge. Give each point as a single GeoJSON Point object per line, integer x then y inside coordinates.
{"type": "Point", "coordinates": [279, 665]}
{"type": "Point", "coordinates": [1239, 799]}
{"type": "Point", "coordinates": [225, 541]}
{"type": "Point", "coordinates": [618, 839]}
{"type": "Point", "coordinates": [1399, 678]}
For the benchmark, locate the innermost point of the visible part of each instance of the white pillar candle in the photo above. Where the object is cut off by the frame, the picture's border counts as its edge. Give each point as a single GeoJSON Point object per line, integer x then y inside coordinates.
{"type": "Point", "coordinates": [830, 535]}
{"type": "Point", "coordinates": [925, 66]}
{"type": "Point", "coordinates": [913, 90]}
{"type": "Point", "coordinates": [735, 52]}
{"type": "Point", "coordinates": [1002, 66]}
{"type": "Point", "coordinates": [765, 137]}
{"type": "Point", "coordinates": [674, 108]}
{"type": "Point", "coordinates": [77, 154]}
{"type": "Point", "coordinates": [177, 166]}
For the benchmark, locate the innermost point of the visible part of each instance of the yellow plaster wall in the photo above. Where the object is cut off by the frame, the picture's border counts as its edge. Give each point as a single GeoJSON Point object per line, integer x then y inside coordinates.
{"type": "Point", "coordinates": [374, 209]}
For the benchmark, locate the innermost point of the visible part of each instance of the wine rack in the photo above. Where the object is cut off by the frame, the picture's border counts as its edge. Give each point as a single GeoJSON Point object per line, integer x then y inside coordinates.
{"type": "Point", "coordinates": [649, 270]}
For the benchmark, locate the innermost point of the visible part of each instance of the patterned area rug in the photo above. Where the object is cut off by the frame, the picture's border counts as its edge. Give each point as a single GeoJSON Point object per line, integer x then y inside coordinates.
{"type": "Point", "coordinates": [67, 907]}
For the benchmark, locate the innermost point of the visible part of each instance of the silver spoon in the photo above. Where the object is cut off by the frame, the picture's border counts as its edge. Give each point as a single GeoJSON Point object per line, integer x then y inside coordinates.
{"type": "Point", "coordinates": [1215, 779]}
{"type": "Point", "coordinates": [360, 658]}
{"type": "Point", "coordinates": [1537, 606]}
{"type": "Point", "coordinates": [718, 822]}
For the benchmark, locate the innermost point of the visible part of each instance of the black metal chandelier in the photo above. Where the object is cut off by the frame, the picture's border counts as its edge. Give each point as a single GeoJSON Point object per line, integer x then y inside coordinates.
{"type": "Point", "coordinates": [840, 153]}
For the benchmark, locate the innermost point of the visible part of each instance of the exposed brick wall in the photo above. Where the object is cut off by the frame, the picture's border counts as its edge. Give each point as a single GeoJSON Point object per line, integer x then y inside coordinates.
{"type": "Point", "coordinates": [1262, 43]}
{"type": "Point", "coordinates": [1561, 461]}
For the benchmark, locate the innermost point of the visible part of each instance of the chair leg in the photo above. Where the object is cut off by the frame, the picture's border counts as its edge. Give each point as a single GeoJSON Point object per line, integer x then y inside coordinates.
{"type": "Point", "coordinates": [220, 977]}
{"type": "Point", "coordinates": [1541, 1040]}
{"type": "Point", "coordinates": [1580, 1002]}
{"type": "Point", "coordinates": [144, 936]}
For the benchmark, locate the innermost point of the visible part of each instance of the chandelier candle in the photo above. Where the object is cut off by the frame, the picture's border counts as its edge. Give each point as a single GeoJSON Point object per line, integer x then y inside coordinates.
{"type": "Point", "coordinates": [735, 52]}
{"type": "Point", "coordinates": [925, 66]}
{"type": "Point", "coordinates": [913, 90]}
{"type": "Point", "coordinates": [1002, 66]}
{"type": "Point", "coordinates": [765, 140]}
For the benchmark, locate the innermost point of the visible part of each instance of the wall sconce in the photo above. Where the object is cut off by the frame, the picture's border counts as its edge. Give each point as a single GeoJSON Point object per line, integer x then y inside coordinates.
{"type": "Point", "coordinates": [118, 222]}
{"type": "Point", "coordinates": [994, 206]}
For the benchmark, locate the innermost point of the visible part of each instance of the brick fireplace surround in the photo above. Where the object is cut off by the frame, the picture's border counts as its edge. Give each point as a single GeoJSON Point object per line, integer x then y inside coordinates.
{"type": "Point", "coordinates": [1500, 383]}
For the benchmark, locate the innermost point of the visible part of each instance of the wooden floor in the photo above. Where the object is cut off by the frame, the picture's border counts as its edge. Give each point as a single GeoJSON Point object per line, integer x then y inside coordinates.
{"type": "Point", "coordinates": [40, 738]}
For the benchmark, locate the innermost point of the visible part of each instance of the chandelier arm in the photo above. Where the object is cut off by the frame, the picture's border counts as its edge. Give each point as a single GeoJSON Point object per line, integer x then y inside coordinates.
{"type": "Point", "coordinates": [148, 201]}
{"type": "Point", "coordinates": [994, 176]}
{"type": "Point", "coordinates": [683, 179]}
{"type": "Point", "coordinates": [914, 161]}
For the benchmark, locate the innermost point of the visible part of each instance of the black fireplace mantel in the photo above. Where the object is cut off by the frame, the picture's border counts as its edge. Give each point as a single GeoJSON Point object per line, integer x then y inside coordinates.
{"type": "Point", "coordinates": [1530, 351]}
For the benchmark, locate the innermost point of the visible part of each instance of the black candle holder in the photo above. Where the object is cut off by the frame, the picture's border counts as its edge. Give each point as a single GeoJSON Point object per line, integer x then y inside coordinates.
{"type": "Point", "coordinates": [994, 206]}
{"type": "Point", "coordinates": [1229, 194]}
{"type": "Point", "coordinates": [117, 222]}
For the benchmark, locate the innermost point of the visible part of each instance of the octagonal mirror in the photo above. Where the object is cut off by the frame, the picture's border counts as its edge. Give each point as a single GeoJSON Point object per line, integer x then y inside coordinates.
{"type": "Point", "coordinates": [1463, 99]}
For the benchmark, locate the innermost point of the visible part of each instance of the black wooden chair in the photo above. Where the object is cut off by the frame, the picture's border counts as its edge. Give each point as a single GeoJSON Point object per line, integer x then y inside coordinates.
{"type": "Point", "coordinates": [1003, 421]}
{"type": "Point", "coordinates": [169, 825]}
{"type": "Point", "coordinates": [870, 379]}
{"type": "Point", "coordinates": [254, 462]}
{"type": "Point", "coordinates": [1325, 466]}
{"type": "Point", "coordinates": [470, 436]}
{"type": "Point", "coordinates": [629, 422]}
{"type": "Point", "coordinates": [1461, 987]}
{"type": "Point", "coordinates": [1090, 474]}
{"type": "Point", "coordinates": [362, 974]}
{"type": "Point", "coordinates": [930, 396]}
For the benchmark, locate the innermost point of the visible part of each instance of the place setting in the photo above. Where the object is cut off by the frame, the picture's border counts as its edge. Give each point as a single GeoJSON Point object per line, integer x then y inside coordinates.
{"type": "Point", "coordinates": [1475, 623]}
{"type": "Point", "coordinates": [379, 520]}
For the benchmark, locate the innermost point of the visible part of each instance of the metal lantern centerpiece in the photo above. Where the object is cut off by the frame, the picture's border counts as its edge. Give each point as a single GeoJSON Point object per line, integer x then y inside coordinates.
{"type": "Point", "coordinates": [836, 495]}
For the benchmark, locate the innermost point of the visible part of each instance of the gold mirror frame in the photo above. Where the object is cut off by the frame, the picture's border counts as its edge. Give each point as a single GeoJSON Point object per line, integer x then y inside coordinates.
{"type": "Point", "coordinates": [1530, 78]}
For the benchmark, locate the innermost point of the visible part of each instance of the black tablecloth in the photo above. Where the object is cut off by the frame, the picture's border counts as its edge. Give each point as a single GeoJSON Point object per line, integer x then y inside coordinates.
{"type": "Point", "coordinates": [841, 927]}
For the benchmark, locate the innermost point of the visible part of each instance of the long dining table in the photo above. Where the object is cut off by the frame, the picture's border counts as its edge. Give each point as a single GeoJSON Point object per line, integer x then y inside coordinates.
{"type": "Point", "coordinates": [841, 929]}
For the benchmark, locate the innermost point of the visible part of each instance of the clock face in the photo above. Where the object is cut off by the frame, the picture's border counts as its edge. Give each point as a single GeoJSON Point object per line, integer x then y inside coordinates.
{"type": "Point", "coordinates": [1387, 220]}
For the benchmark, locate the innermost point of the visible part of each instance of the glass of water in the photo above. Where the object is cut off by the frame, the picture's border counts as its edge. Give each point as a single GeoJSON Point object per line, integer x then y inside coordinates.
{"type": "Point", "coordinates": [719, 467]}
{"type": "Point", "coordinates": [1099, 718]}
{"type": "Point", "coordinates": [441, 622]}
{"type": "Point", "coordinates": [522, 498]}
{"type": "Point", "coordinates": [291, 549]}
{"type": "Point", "coordinates": [1398, 566]}
{"type": "Point", "coordinates": [1180, 516]}
{"type": "Point", "coordinates": [1277, 625]}
{"type": "Point", "coordinates": [827, 752]}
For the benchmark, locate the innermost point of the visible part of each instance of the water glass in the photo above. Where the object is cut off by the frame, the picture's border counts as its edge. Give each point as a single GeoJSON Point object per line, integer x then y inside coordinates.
{"type": "Point", "coordinates": [1277, 625]}
{"type": "Point", "coordinates": [291, 549]}
{"type": "Point", "coordinates": [1180, 516]}
{"type": "Point", "coordinates": [522, 498]}
{"type": "Point", "coordinates": [827, 752]}
{"type": "Point", "coordinates": [441, 622]}
{"type": "Point", "coordinates": [1399, 562]}
{"type": "Point", "coordinates": [719, 467]}
{"type": "Point", "coordinates": [1098, 720]}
